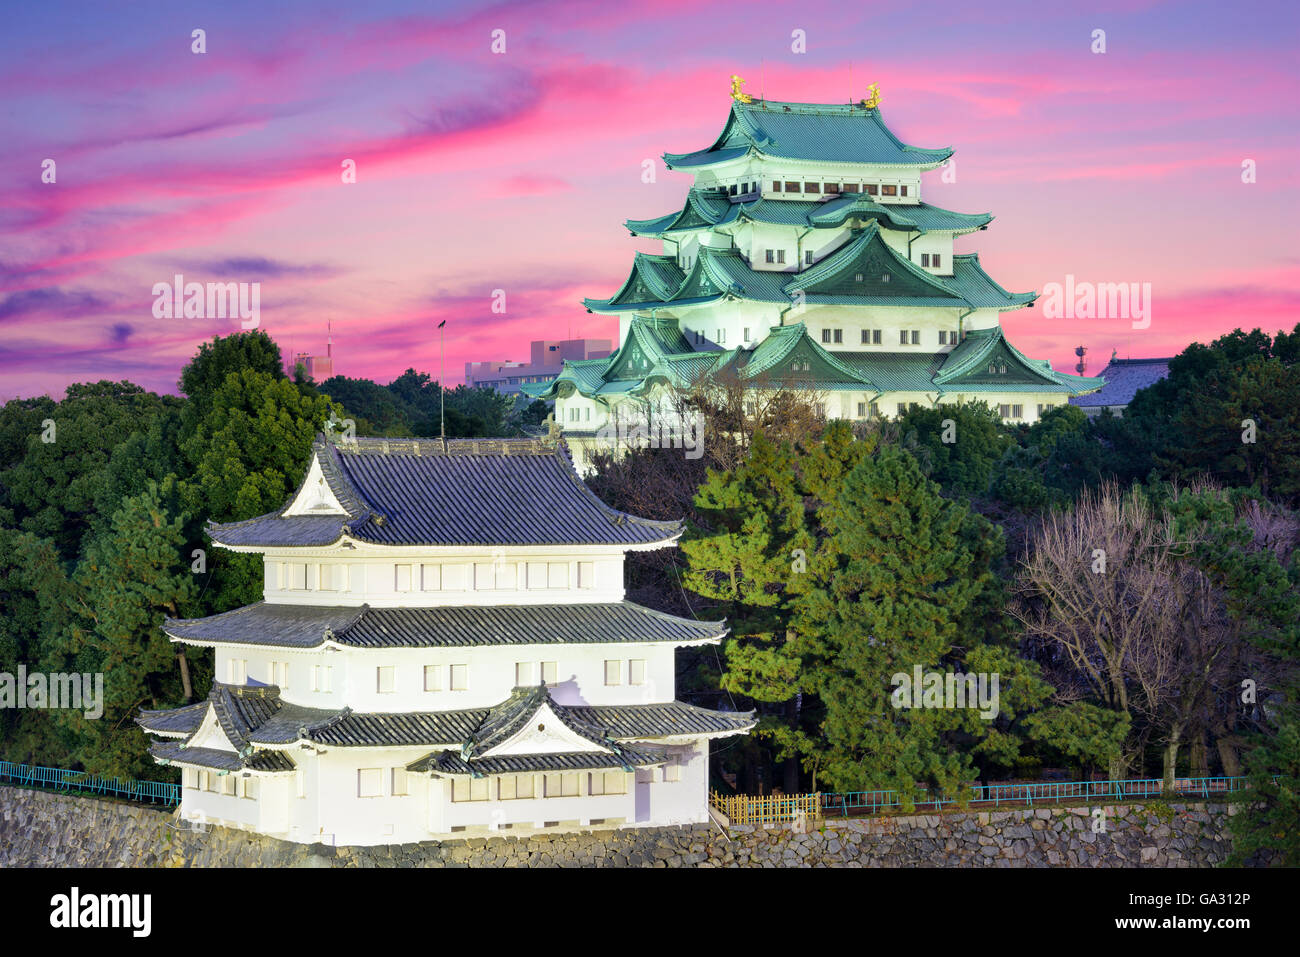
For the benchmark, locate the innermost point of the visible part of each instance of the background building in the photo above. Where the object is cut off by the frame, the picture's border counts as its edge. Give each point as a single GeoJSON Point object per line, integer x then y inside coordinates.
{"type": "Point", "coordinates": [546, 360]}
{"type": "Point", "coordinates": [1124, 377]}
{"type": "Point", "coordinates": [804, 257]}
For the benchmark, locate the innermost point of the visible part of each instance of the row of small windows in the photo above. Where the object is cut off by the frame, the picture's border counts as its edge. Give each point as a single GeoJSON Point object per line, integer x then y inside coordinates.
{"type": "Point", "coordinates": [580, 414]}
{"type": "Point", "coordinates": [437, 677]}
{"type": "Point", "coordinates": [484, 576]}
{"type": "Point", "coordinates": [719, 335]}
{"type": "Point", "coordinates": [227, 784]}
{"type": "Point", "coordinates": [808, 187]}
{"type": "Point", "coordinates": [516, 787]}
{"type": "Point", "coordinates": [872, 337]}
{"type": "Point", "coordinates": [776, 257]}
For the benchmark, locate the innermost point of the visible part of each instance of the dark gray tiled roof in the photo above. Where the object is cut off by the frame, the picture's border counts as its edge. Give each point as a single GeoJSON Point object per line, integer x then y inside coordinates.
{"type": "Point", "coordinates": [470, 492]}
{"type": "Point", "coordinates": [240, 709]}
{"type": "Point", "coordinates": [217, 760]}
{"type": "Point", "coordinates": [449, 762]}
{"type": "Point", "coordinates": [475, 729]}
{"type": "Point", "coordinates": [663, 720]}
{"type": "Point", "coordinates": [306, 626]}
{"type": "Point", "coordinates": [416, 729]}
{"type": "Point", "coordinates": [508, 718]}
{"type": "Point", "coordinates": [1124, 378]}
{"type": "Point", "coordinates": [180, 722]}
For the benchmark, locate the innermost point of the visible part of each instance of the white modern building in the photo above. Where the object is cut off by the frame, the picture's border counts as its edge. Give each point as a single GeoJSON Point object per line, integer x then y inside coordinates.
{"type": "Point", "coordinates": [443, 649]}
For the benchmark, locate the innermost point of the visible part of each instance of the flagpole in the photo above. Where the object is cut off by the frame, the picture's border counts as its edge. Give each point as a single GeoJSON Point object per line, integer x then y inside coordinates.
{"type": "Point", "coordinates": [442, 383]}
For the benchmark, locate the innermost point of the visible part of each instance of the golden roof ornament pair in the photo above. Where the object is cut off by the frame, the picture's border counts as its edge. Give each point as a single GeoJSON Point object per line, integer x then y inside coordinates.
{"type": "Point", "coordinates": [871, 102]}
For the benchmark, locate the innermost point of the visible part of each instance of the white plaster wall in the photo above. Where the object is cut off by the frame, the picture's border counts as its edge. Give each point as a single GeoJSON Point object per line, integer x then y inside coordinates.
{"type": "Point", "coordinates": [373, 578]}
{"type": "Point", "coordinates": [491, 676]}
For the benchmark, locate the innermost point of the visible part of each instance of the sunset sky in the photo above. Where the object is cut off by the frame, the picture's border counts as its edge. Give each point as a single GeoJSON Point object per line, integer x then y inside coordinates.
{"type": "Point", "coordinates": [479, 171]}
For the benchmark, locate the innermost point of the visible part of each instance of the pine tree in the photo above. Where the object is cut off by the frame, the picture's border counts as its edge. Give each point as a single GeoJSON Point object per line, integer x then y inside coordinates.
{"type": "Point", "coordinates": [909, 575]}
{"type": "Point", "coordinates": [128, 581]}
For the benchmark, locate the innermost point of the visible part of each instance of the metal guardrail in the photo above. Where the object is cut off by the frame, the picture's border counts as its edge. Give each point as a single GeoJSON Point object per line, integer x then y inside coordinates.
{"type": "Point", "coordinates": [781, 808]}
{"type": "Point", "coordinates": [1032, 794]}
{"type": "Point", "coordinates": [26, 775]}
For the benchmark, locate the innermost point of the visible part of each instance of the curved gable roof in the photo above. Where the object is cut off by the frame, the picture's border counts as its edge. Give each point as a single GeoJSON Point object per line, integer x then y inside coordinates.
{"type": "Point", "coordinates": [461, 492]}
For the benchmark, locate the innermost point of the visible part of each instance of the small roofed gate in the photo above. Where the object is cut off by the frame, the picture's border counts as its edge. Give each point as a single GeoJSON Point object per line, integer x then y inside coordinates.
{"type": "Point", "coordinates": [769, 809]}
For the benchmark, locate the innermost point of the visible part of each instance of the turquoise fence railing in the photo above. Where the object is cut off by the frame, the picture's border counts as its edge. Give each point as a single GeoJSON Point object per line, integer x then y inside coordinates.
{"type": "Point", "coordinates": [157, 792]}
{"type": "Point", "coordinates": [1053, 792]}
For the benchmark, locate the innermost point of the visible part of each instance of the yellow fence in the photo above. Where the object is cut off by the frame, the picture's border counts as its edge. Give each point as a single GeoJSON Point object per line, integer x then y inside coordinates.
{"type": "Point", "coordinates": [770, 809]}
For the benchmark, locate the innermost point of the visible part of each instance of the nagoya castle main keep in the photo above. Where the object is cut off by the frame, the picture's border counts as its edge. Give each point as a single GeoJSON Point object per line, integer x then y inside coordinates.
{"type": "Point", "coordinates": [804, 257]}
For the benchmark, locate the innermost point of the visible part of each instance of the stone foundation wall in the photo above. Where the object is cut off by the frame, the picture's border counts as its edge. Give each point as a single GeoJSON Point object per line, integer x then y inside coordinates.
{"type": "Point", "coordinates": [44, 829]}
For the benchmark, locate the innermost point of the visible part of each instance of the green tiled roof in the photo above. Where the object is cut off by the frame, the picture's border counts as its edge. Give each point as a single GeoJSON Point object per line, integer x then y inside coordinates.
{"type": "Point", "coordinates": [833, 281]}
{"type": "Point", "coordinates": [711, 209]}
{"type": "Point", "coordinates": [830, 132]}
{"type": "Point", "coordinates": [966, 368]}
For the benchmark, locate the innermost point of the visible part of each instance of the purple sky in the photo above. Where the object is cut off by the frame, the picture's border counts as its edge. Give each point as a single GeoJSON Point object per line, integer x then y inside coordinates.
{"type": "Point", "coordinates": [479, 171]}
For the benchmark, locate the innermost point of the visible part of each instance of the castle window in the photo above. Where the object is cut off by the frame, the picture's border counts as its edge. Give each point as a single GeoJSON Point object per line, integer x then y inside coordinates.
{"type": "Point", "coordinates": [934, 260]}
{"type": "Point", "coordinates": [385, 680]}
{"type": "Point", "coordinates": [826, 335]}
{"type": "Point", "coordinates": [943, 337]}
{"type": "Point", "coordinates": [1017, 411]}
{"type": "Point", "coordinates": [862, 410]}
{"type": "Point", "coordinates": [465, 788]}
{"type": "Point", "coordinates": [902, 337]}
{"type": "Point", "coordinates": [403, 577]}
{"type": "Point", "coordinates": [561, 785]}
{"type": "Point", "coordinates": [734, 189]}
{"type": "Point", "coordinates": [870, 189]}
{"type": "Point", "coordinates": [747, 333]}
{"type": "Point", "coordinates": [839, 336]}
{"type": "Point", "coordinates": [550, 673]}
{"type": "Point", "coordinates": [850, 188]}
{"type": "Point", "coordinates": [780, 255]}
{"type": "Point", "coordinates": [875, 409]}
{"type": "Point", "coordinates": [859, 277]}
{"type": "Point", "coordinates": [370, 782]}
{"type": "Point", "coordinates": [902, 191]}
{"type": "Point", "coordinates": [586, 574]}
{"type": "Point", "coordinates": [459, 677]}
{"type": "Point", "coordinates": [812, 187]}
{"type": "Point", "coordinates": [613, 673]}
{"type": "Point", "coordinates": [925, 259]}
{"type": "Point", "coordinates": [1004, 411]}
{"type": "Point", "coordinates": [791, 186]}
{"type": "Point", "coordinates": [672, 771]}
{"type": "Point", "coordinates": [237, 670]}
{"type": "Point", "coordinates": [916, 337]}
{"type": "Point", "coordinates": [808, 257]}
{"type": "Point", "coordinates": [433, 677]}
{"type": "Point", "coordinates": [721, 337]}
{"type": "Point", "coordinates": [455, 577]}
{"type": "Point", "coordinates": [885, 277]}
{"type": "Point", "coordinates": [771, 255]}
{"type": "Point", "coordinates": [889, 191]}
{"type": "Point", "coordinates": [524, 674]}
{"type": "Point", "coordinates": [636, 671]}
{"type": "Point", "coordinates": [831, 188]}
{"type": "Point", "coordinates": [512, 787]}
{"type": "Point", "coordinates": [776, 186]}
{"type": "Point", "coordinates": [320, 677]}
{"type": "Point", "coordinates": [399, 782]}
